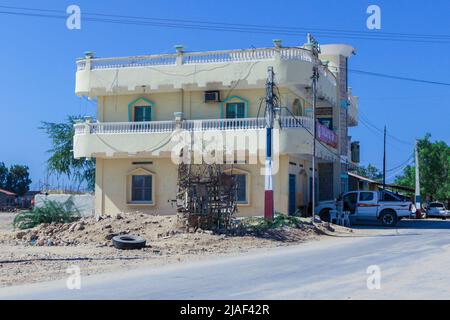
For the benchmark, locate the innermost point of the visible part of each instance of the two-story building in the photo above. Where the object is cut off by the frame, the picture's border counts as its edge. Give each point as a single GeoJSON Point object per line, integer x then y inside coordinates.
{"type": "Point", "coordinates": [143, 100]}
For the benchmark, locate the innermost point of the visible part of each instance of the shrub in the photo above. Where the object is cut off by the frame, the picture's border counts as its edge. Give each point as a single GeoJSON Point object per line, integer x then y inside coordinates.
{"type": "Point", "coordinates": [50, 211]}
{"type": "Point", "coordinates": [279, 221]}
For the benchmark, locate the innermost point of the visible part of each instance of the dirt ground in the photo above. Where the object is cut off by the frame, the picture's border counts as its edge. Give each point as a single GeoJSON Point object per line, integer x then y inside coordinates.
{"type": "Point", "coordinates": [45, 252]}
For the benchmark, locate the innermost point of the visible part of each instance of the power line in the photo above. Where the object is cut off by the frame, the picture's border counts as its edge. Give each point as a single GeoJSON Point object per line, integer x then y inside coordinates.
{"type": "Point", "coordinates": [365, 119]}
{"type": "Point", "coordinates": [230, 27]}
{"type": "Point", "coordinates": [389, 76]}
{"type": "Point", "coordinates": [382, 75]}
{"type": "Point", "coordinates": [213, 27]}
{"type": "Point", "coordinates": [403, 164]}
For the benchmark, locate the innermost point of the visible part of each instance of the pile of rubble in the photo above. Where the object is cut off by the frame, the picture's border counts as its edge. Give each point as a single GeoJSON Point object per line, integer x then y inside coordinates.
{"type": "Point", "coordinates": [159, 231]}
{"type": "Point", "coordinates": [98, 231]}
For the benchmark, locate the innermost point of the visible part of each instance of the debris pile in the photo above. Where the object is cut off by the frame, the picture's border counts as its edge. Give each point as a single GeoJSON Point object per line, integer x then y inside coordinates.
{"type": "Point", "coordinates": [98, 231]}
{"type": "Point", "coordinates": [162, 231]}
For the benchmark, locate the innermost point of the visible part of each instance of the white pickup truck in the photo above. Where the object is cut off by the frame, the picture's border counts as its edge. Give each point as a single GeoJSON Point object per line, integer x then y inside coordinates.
{"type": "Point", "coordinates": [365, 206]}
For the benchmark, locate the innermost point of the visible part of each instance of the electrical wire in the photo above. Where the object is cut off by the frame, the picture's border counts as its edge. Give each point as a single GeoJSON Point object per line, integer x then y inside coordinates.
{"type": "Point", "coordinates": [403, 164]}
{"type": "Point", "coordinates": [389, 76]}
{"type": "Point", "coordinates": [229, 27]}
{"type": "Point", "coordinates": [365, 119]}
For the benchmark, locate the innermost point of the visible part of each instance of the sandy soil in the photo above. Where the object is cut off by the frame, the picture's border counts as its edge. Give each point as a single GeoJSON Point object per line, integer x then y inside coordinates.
{"type": "Point", "coordinates": [45, 252]}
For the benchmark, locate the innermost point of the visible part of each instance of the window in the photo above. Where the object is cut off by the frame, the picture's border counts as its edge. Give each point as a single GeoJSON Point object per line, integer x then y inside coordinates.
{"type": "Point", "coordinates": [327, 122]}
{"type": "Point", "coordinates": [142, 113]}
{"type": "Point", "coordinates": [235, 110]}
{"type": "Point", "coordinates": [366, 196]}
{"type": "Point", "coordinates": [436, 205]}
{"type": "Point", "coordinates": [297, 108]}
{"type": "Point", "coordinates": [386, 196]}
{"type": "Point", "coordinates": [241, 187]}
{"type": "Point", "coordinates": [141, 188]}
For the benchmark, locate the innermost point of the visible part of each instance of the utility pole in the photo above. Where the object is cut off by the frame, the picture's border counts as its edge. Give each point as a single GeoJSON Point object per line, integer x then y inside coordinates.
{"type": "Point", "coordinates": [268, 184]}
{"type": "Point", "coordinates": [315, 49]}
{"type": "Point", "coordinates": [315, 77]}
{"type": "Point", "coordinates": [418, 200]}
{"type": "Point", "coordinates": [384, 160]}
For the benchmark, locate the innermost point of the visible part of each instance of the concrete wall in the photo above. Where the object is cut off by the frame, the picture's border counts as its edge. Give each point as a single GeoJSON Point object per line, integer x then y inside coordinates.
{"type": "Point", "coordinates": [84, 202]}
{"type": "Point", "coordinates": [113, 187]}
{"type": "Point", "coordinates": [191, 103]}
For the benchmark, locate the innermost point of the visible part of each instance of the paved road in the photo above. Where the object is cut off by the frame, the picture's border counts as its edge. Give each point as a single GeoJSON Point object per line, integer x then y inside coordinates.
{"type": "Point", "coordinates": [414, 262]}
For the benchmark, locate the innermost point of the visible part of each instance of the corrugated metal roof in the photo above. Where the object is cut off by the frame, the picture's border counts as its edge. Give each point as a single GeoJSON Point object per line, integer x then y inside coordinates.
{"type": "Point", "coordinates": [9, 193]}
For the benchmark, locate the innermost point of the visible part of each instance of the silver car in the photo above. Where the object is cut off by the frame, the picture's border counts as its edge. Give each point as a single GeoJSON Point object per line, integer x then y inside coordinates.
{"type": "Point", "coordinates": [437, 210]}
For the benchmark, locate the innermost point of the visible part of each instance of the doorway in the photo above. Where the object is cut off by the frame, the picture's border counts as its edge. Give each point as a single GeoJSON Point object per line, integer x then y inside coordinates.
{"type": "Point", "coordinates": [292, 207]}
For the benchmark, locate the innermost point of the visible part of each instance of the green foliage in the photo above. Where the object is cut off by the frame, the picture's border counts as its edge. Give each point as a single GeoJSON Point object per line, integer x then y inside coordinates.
{"type": "Point", "coordinates": [3, 175]}
{"type": "Point", "coordinates": [434, 161]}
{"type": "Point", "coordinates": [370, 172]}
{"type": "Point", "coordinates": [15, 179]}
{"type": "Point", "coordinates": [49, 212]}
{"type": "Point", "coordinates": [408, 178]}
{"type": "Point", "coordinates": [61, 160]}
{"type": "Point", "coordinates": [279, 221]}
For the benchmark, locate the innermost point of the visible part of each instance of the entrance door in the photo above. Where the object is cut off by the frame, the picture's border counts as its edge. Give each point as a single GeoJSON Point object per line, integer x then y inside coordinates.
{"type": "Point", "coordinates": [292, 194]}
{"type": "Point", "coordinates": [367, 205]}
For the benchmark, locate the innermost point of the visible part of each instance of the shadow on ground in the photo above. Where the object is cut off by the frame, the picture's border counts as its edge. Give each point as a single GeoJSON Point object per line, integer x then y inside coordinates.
{"type": "Point", "coordinates": [419, 224]}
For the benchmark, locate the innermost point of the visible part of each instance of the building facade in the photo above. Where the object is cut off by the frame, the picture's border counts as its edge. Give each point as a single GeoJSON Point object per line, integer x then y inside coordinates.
{"type": "Point", "coordinates": [147, 105]}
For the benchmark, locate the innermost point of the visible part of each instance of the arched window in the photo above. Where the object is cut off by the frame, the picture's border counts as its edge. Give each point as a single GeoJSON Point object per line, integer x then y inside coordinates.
{"type": "Point", "coordinates": [242, 179]}
{"type": "Point", "coordinates": [140, 110]}
{"type": "Point", "coordinates": [297, 108]}
{"type": "Point", "coordinates": [234, 107]}
{"type": "Point", "coordinates": [140, 187]}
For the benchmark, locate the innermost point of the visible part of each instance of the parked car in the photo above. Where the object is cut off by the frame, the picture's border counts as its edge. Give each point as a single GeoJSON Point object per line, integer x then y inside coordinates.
{"type": "Point", "coordinates": [437, 210]}
{"type": "Point", "coordinates": [365, 206]}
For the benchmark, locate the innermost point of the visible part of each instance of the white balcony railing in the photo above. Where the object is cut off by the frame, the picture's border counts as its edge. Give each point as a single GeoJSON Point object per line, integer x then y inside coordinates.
{"type": "Point", "coordinates": [195, 125]}
{"type": "Point", "coordinates": [226, 56]}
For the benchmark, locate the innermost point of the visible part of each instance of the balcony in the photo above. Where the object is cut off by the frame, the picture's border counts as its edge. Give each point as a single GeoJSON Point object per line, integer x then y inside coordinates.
{"type": "Point", "coordinates": [150, 139]}
{"type": "Point", "coordinates": [217, 70]}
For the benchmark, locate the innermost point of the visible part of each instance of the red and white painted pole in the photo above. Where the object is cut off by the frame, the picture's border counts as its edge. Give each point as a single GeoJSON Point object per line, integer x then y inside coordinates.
{"type": "Point", "coordinates": [268, 184]}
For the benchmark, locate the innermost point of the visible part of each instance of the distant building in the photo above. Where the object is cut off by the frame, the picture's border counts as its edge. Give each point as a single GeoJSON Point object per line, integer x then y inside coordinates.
{"type": "Point", "coordinates": [7, 199]}
{"type": "Point", "coordinates": [26, 201]}
{"type": "Point", "coordinates": [357, 182]}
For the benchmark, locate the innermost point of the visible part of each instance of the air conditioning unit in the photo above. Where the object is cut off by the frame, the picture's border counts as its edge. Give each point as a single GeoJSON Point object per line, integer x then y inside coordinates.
{"type": "Point", "coordinates": [212, 96]}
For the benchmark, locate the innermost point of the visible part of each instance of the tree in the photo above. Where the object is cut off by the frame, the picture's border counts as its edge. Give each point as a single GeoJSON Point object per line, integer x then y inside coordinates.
{"type": "Point", "coordinates": [18, 179]}
{"type": "Point", "coordinates": [62, 161]}
{"type": "Point", "coordinates": [370, 172]}
{"type": "Point", "coordinates": [434, 161]}
{"type": "Point", "coordinates": [3, 175]}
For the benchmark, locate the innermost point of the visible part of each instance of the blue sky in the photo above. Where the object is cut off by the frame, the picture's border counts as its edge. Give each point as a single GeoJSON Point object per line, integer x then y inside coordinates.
{"type": "Point", "coordinates": [38, 63]}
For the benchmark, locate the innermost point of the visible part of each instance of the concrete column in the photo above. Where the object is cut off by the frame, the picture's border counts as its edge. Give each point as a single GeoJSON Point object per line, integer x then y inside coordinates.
{"type": "Point", "coordinates": [179, 49]}
{"type": "Point", "coordinates": [99, 193]}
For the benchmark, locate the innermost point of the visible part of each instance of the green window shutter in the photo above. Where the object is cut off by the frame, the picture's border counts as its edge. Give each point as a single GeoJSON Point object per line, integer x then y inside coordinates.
{"type": "Point", "coordinates": [231, 111]}
{"type": "Point", "coordinates": [142, 113]}
{"type": "Point", "coordinates": [235, 110]}
{"type": "Point", "coordinates": [240, 110]}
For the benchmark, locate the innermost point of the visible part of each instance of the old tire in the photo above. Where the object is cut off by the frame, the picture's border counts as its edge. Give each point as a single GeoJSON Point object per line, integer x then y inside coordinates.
{"type": "Point", "coordinates": [389, 218]}
{"type": "Point", "coordinates": [324, 215]}
{"type": "Point", "coordinates": [128, 242]}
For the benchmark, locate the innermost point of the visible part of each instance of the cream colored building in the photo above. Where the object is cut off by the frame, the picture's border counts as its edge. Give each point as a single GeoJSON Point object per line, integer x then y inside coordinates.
{"type": "Point", "coordinates": [143, 101]}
